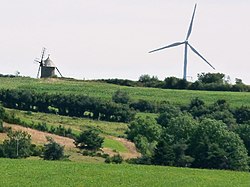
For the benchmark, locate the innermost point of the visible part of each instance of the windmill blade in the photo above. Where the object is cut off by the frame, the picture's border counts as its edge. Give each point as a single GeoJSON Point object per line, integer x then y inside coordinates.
{"type": "Point", "coordinates": [191, 23]}
{"type": "Point", "coordinates": [38, 71]}
{"type": "Point", "coordinates": [43, 52]}
{"type": "Point", "coordinates": [196, 52]}
{"type": "Point", "coordinates": [171, 45]}
{"type": "Point", "coordinates": [59, 71]}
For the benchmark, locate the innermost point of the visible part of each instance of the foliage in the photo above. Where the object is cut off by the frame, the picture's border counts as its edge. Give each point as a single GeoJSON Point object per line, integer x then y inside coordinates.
{"type": "Point", "coordinates": [242, 114]}
{"type": "Point", "coordinates": [144, 132]}
{"type": "Point", "coordinates": [1, 126]}
{"type": "Point", "coordinates": [171, 149]}
{"type": "Point", "coordinates": [18, 145]}
{"type": "Point", "coordinates": [121, 96]}
{"type": "Point", "coordinates": [243, 131]}
{"type": "Point", "coordinates": [2, 112]}
{"type": "Point", "coordinates": [89, 139]}
{"type": "Point", "coordinates": [53, 150]}
{"type": "Point", "coordinates": [116, 159]}
{"type": "Point", "coordinates": [213, 146]}
{"type": "Point", "coordinates": [211, 78]}
{"type": "Point", "coordinates": [69, 105]}
{"type": "Point", "coordinates": [168, 113]}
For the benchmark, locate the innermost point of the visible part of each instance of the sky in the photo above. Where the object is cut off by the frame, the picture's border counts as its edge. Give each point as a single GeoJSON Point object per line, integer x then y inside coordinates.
{"type": "Point", "coordinates": [95, 39]}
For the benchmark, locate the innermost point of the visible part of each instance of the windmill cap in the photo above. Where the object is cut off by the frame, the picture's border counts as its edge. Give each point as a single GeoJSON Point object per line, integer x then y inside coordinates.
{"type": "Point", "coordinates": [49, 63]}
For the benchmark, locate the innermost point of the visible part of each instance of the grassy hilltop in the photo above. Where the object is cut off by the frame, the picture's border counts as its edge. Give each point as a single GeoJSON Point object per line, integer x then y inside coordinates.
{"type": "Point", "coordinates": [105, 91]}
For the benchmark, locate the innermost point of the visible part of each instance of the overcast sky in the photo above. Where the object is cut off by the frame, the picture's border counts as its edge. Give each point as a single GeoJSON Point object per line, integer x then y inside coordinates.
{"type": "Point", "coordinates": [95, 39]}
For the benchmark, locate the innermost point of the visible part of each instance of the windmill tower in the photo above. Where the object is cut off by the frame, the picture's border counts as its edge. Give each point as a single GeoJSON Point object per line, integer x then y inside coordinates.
{"type": "Point", "coordinates": [47, 67]}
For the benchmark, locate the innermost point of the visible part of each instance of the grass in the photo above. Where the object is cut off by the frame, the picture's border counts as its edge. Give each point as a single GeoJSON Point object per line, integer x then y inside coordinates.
{"type": "Point", "coordinates": [76, 124]}
{"type": "Point", "coordinates": [105, 91]}
{"type": "Point", "coordinates": [114, 145]}
{"type": "Point", "coordinates": [55, 173]}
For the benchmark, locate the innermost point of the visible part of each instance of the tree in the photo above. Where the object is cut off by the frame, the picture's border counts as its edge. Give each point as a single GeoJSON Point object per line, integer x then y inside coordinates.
{"type": "Point", "coordinates": [168, 113]}
{"type": "Point", "coordinates": [213, 146]}
{"type": "Point", "coordinates": [120, 97]}
{"type": "Point", "coordinates": [145, 133]}
{"type": "Point", "coordinates": [18, 145]}
{"type": "Point", "coordinates": [89, 139]}
{"type": "Point", "coordinates": [171, 149]}
{"type": "Point", "coordinates": [145, 126]}
{"type": "Point", "coordinates": [207, 78]}
{"type": "Point", "coordinates": [1, 126]}
{"type": "Point", "coordinates": [243, 131]}
{"type": "Point", "coordinates": [53, 150]}
{"type": "Point", "coordinates": [1, 112]}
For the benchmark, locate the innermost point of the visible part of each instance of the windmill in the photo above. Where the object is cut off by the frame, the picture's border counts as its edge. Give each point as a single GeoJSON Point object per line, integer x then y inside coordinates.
{"type": "Point", "coordinates": [187, 44]}
{"type": "Point", "coordinates": [47, 67]}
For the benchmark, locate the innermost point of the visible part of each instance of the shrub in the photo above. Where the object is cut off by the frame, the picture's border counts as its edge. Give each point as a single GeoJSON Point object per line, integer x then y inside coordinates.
{"type": "Point", "coordinates": [116, 159]}
{"type": "Point", "coordinates": [53, 150]}
{"type": "Point", "coordinates": [89, 139]}
{"type": "Point", "coordinates": [120, 97]}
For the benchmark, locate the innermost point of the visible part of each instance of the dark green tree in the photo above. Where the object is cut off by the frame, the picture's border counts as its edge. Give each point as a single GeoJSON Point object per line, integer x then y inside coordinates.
{"type": "Point", "coordinates": [89, 139]}
{"type": "Point", "coordinates": [243, 131]}
{"type": "Point", "coordinates": [207, 78]}
{"type": "Point", "coordinates": [18, 145]}
{"type": "Point", "coordinates": [213, 146]}
{"type": "Point", "coordinates": [121, 96]}
{"type": "Point", "coordinates": [53, 150]}
{"type": "Point", "coordinates": [172, 147]}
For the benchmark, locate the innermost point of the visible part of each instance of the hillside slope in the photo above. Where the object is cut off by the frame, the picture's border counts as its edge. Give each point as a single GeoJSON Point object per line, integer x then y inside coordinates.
{"type": "Point", "coordinates": [105, 91]}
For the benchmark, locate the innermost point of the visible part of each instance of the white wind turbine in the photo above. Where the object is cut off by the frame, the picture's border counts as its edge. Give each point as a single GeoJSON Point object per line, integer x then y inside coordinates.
{"type": "Point", "coordinates": [187, 44]}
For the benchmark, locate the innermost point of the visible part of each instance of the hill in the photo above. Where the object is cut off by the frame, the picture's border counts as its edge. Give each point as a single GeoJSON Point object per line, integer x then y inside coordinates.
{"type": "Point", "coordinates": [50, 173]}
{"type": "Point", "coordinates": [105, 91]}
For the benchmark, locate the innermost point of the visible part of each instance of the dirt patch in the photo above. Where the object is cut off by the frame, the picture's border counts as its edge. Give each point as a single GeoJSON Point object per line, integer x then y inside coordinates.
{"type": "Point", "coordinates": [39, 137]}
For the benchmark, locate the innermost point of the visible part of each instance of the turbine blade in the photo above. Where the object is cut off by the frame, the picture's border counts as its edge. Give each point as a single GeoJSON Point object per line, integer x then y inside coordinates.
{"type": "Point", "coordinates": [191, 23]}
{"type": "Point", "coordinates": [196, 52]}
{"type": "Point", "coordinates": [168, 46]}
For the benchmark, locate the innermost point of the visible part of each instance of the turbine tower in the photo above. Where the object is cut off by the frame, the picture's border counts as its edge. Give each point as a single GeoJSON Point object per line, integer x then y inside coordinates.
{"type": "Point", "coordinates": [187, 44]}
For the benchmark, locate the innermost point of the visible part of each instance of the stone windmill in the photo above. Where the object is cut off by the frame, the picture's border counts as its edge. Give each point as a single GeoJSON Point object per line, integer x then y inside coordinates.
{"type": "Point", "coordinates": [47, 67]}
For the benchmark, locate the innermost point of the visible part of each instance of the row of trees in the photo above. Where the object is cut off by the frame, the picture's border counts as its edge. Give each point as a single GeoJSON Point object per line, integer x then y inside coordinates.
{"type": "Point", "coordinates": [197, 136]}
{"type": "Point", "coordinates": [69, 105]}
{"type": "Point", "coordinates": [208, 81]}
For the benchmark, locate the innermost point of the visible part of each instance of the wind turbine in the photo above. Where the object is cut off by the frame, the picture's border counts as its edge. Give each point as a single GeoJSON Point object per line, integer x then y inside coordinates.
{"type": "Point", "coordinates": [187, 44]}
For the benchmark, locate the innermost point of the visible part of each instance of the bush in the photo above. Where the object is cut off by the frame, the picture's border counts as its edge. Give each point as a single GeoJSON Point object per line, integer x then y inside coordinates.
{"type": "Point", "coordinates": [116, 159]}
{"type": "Point", "coordinates": [90, 140]}
{"type": "Point", "coordinates": [1, 126]}
{"type": "Point", "coordinates": [120, 97]}
{"type": "Point", "coordinates": [18, 145]}
{"type": "Point", "coordinates": [53, 150]}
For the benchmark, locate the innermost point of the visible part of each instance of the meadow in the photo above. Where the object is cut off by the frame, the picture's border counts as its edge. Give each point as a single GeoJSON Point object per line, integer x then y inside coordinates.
{"type": "Point", "coordinates": [105, 91]}
{"type": "Point", "coordinates": [62, 173]}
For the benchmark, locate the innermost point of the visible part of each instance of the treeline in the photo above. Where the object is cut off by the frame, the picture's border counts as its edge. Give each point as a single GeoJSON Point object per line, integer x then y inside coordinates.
{"type": "Point", "coordinates": [197, 135]}
{"type": "Point", "coordinates": [209, 81]}
{"type": "Point", "coordinates": [68, 105]}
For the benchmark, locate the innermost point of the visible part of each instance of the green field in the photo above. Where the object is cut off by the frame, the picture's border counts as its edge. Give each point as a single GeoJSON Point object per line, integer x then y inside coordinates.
{"type": "Point", "coordinates": [105, 91]}
{"type": "Point", "coordinates": [76, 124]}
{"type": "Point", "coordinates": [48, 173]}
